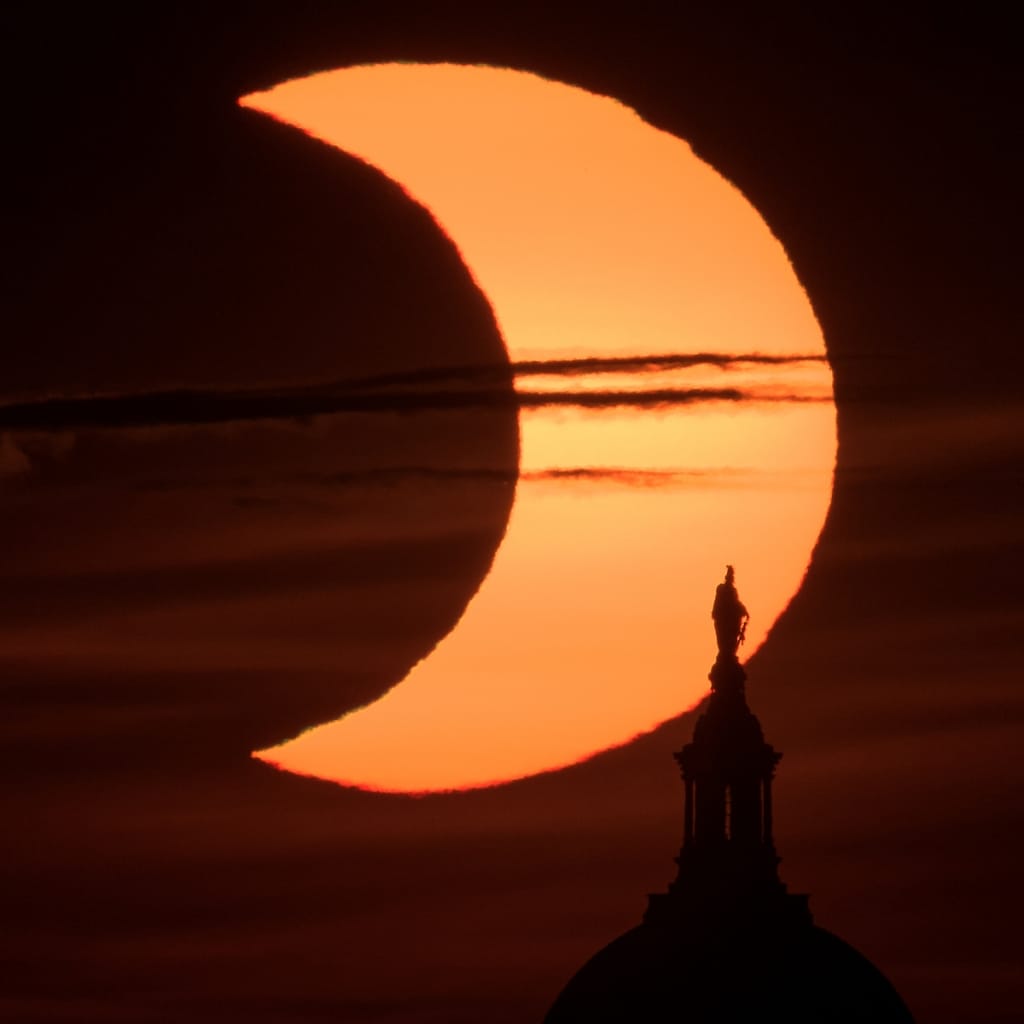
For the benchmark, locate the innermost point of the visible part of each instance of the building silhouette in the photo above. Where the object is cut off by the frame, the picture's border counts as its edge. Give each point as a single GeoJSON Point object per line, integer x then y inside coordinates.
{"type": "Point", "coordinates": [728, 942]}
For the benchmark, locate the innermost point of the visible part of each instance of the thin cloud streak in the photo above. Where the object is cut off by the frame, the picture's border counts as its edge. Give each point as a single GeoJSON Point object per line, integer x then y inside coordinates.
{"type": "Point", "coordinates": [597, 474]}
{"type": "Point", "coordinates": [398, 476]}
{"type": "Point", "coordinates": [194, 408]}
{"type": "Point", "coordinates": [468, 386]}
{"type": "Point", "coordinates": [583, 366]}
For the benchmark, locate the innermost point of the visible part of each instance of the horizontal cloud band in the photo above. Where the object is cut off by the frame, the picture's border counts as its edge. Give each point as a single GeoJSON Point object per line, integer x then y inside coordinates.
{"type": "Point", "coordinates": [583, 366]}
{"type": "Point", "coordinates": [194, 407]}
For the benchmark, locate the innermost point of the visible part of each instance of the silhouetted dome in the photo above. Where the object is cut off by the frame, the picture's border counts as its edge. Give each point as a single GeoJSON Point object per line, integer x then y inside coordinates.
{"type": "Point", "coordinates": [728, 943]}
{"type": "Point", "coordinates": [798, 975]}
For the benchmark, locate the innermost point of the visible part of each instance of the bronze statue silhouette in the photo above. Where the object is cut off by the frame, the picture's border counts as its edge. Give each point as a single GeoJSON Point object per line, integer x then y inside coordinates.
{"type": "Point", "coordinates": [729, 615]}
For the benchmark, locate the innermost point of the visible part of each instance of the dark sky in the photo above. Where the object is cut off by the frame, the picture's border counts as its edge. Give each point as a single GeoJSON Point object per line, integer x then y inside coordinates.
{"type": "Point", "coordinates": [160, 572]}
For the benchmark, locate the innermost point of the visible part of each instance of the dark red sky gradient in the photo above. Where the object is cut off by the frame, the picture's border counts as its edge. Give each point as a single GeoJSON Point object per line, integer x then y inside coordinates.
{"type": "Point", "coordinates": [151, 871]}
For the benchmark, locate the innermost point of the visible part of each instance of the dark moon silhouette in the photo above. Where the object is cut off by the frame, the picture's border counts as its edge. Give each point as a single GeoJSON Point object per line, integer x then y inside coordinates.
{"type": "Point", "coordinates": [254, 261]}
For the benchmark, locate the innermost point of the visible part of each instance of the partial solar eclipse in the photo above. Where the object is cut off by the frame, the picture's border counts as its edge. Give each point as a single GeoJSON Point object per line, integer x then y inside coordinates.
{"type": "Point", "coordinates": [594, 235]}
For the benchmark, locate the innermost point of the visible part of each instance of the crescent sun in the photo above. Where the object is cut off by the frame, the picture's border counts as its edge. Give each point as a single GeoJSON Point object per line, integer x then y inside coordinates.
{"type": "Point", "coordinates": [594, 235]}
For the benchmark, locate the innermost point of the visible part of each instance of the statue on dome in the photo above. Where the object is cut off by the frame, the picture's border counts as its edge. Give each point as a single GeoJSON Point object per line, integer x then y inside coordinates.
{"type": "Point", "coordinates": [729, 615]}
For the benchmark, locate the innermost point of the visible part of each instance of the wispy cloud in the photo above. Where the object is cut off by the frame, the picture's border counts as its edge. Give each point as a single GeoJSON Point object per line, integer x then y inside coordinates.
{"type": "Point", "coordinates": [13, 461]}
{"type": "Point", "coordinates": [630, 477]}
{"type": "Point", "coordinates": [622, 475]}
{"type": "Point", "coordinates": [251, 492]}
{"type": "Point", "coordinates": [582, 366]}
{"type": "Point", "coordinates": [468, 387]}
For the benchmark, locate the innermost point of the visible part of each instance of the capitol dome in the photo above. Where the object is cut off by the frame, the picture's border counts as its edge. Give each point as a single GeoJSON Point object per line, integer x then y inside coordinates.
{"type": "Point", "coordinates": [654, 974]}
{"type": "Point", "coordinates": [728, 943]}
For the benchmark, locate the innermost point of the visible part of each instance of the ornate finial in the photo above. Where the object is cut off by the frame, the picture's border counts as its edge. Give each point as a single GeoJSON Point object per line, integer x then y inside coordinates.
{"type": "Point", "coordinates": [730, 617]}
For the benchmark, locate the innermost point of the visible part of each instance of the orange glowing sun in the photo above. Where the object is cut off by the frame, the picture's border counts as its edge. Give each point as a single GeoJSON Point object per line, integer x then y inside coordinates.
{"type": "Point", "coordinates": [593, 234]}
